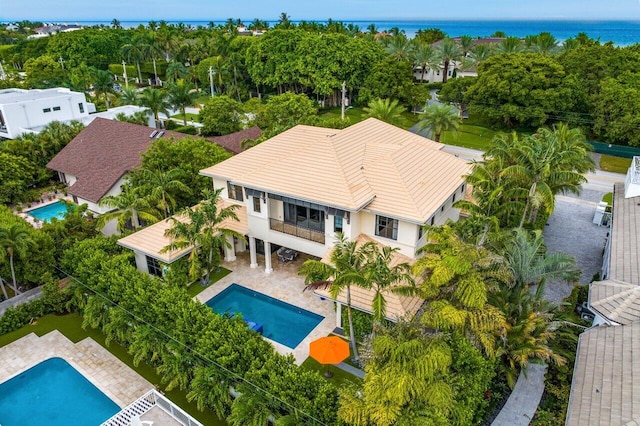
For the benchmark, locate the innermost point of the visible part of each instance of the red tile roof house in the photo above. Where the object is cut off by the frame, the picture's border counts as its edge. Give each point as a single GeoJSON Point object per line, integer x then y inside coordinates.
{"type": "Point", "coordinates": [95, 162]}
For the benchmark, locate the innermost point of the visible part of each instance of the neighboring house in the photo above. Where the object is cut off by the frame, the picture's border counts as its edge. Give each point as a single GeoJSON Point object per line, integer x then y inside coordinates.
{"type": "Point", "coordinates": [233, 141]}
{"type": "Point", "coordinates": [95, 162]}
{"type": "Point", "coordinates": [127, 110]}
{"type": "Point", "coordinates": [455, 70]}
{"type": "Point", "coordinates": [51, 29]}
{"type": "Point", "coordinates": [370, 181]}
{"type": "Point", "coordinates": [27, 111]}
{"type": "Point", "coordinates": [606, 385]}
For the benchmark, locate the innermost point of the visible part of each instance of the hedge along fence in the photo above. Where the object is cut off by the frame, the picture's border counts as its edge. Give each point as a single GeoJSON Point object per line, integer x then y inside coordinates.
{"type": "Point", "coordinates": [615, 150]}
{"type": "Point", "coordinates": [191, 347]}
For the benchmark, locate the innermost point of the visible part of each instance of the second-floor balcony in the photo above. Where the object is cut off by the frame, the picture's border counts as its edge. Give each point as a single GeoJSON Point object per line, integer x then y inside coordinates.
{"type": "Point", "coordinates": [296, 230]}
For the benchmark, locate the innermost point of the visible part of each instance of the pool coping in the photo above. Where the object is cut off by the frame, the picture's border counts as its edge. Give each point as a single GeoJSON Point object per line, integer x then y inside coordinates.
{"type": "Point", "coordinates": [36, 205]}
{"type": "Point", "coordinates": [111, 376]}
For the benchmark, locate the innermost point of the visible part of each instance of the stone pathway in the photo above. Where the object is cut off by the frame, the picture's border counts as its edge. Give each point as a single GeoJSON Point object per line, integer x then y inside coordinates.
{"type": "Point", "coordinates": [114, 378]}
{"type": "Point", "coordinates": [523, 401]}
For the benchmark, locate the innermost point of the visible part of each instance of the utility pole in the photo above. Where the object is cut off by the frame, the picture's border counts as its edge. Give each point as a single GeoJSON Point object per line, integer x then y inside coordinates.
{"type": "Point", "coordinates": [344, 91]}
{"type": "Point", "coordinates": [2, 74]}
{"type": "Point", "coordinates": [211, 79]}
{"type": "Point", "coordinates": [124, 74]}
{"type": "Point", "coordinates": [61, 62]}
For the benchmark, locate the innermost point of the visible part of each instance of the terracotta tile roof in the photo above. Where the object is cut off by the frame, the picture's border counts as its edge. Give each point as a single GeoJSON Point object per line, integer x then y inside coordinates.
{"type": "Point", "coordinates": [371, 165]}
{"type": "Point", "coordinates": [151, 240]}
{"type": "Point", "coordinates": [361, 299]}
{"type": "Point", "coordinates": [606, 380]}
{"type": "Point", "coordinates": [102, 153]}
{"type": "Point", "coordinates": [233, 142]}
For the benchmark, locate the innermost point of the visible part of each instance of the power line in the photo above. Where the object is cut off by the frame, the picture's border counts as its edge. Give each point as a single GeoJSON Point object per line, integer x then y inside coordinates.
{"type": "Point", "coordinates": [232, 375]}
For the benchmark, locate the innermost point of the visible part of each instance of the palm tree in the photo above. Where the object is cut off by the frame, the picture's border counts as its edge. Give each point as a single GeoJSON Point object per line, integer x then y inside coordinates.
{"type": "Point", "coordinates": [545, 43]}
{"type": "Point", "coordinates": [426, 58]}
{"type": "Point", "coordinates": [103, 84]}
{"type": "Point", "coordinates": [181, 97]}
{"type": "Point", "coordinates": [129, 96]}
{"type": "Point", "coordinates": [400, 48]}
{"type": "Point", "coordinates": [387, 110]}
{"type": "Point", "coordinates": [202, 228]}
{"type": "Point", "coordinates": [161, 185]}
{"type": "Point", "coordinates": [176, 71]}
{"type": "Point", "coordinates": [347, 262]}
{"type": "Point", "coordinates": [129, 208]}
{"type": "Point", "coordinates": [157, 100]}
{"type": "Point", "coordinates": [134, 51]}
{"type": "Point", "coordinates": [437, 119]}
{"type": "Point", "coordinates": [510, 45]}
{"type": "Point", "coordinates": [15, 240]}
{"type": "Point", "coordinates": [449, 53]}
{"type": "Point", "coordinates": [466, 44]}
{"type": "Point", "coordinates": [481, 52]}
{"type": "Point", "coordinates": [381, 277]}
{"type": "Point", "coordinates": [3, 253]}
{"type": "Point", "coordinates": [457, 278]}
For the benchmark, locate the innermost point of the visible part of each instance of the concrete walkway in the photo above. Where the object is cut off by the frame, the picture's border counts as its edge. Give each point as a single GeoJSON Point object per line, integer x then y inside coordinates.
{"type": "Point", "coordinates": [351, 369]}
{"type": "Point", "coordinates": [523, 401]}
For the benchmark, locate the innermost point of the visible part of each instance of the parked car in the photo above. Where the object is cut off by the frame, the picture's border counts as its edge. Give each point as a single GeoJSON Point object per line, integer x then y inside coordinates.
{"type": "Point", "coordinates": [585, 313]}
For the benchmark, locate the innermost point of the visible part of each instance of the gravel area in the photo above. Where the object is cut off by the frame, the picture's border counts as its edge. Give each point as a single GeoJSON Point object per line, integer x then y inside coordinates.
{"type": "Point", "coordinates": [570, 230]}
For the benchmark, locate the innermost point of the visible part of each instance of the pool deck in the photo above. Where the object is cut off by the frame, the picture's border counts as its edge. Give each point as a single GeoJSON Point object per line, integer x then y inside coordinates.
{"type": "Point", "coordinates": [114, 378]}
{"type": "Point", "coordinates": [36, 223]}
{"type": "Point", "coordinates": [283, 284]}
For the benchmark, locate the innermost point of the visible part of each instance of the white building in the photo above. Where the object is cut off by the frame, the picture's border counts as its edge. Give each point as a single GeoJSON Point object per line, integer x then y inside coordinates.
{"type": "Point", "coordinates": [27, 111]}
{"type": "Point", "coordinates": [371, 182]}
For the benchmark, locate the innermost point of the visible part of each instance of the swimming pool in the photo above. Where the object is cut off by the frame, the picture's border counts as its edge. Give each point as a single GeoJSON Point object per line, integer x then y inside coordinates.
{"type": "Point", "coordinates": [282, 322]}
{"type": "Point", "coordinates": [48, 212]}
{"type": "Point", "coordinates": [53, 393]}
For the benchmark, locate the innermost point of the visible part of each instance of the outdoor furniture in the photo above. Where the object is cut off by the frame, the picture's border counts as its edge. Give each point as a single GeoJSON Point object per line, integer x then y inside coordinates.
{"type": "Point", "coordinates": [286, 254]}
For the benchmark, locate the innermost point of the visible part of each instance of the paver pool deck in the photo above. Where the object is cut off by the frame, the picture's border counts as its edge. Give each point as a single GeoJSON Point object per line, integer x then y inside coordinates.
{"type": "Point", "coordinates": [283, 284]}
{"type": "Point", "coordinates": [114, 378]}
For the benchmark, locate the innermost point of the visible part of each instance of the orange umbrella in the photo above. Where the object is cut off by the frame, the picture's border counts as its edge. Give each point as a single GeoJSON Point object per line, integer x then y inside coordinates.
{"type": "Point", "coordinates": [329, 350]}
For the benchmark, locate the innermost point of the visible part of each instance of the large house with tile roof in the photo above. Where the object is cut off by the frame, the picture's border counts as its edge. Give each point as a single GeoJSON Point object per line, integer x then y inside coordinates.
{"type": "Point", "coordinates": [371, 182]}
{"type": "Point", "coordinates": [606, 378]}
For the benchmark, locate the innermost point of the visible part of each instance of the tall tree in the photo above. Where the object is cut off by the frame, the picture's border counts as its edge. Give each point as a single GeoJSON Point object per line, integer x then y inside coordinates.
{"type": "Point", "coordinates": [16, 241]}
{"type": "Point", "coordinates": [157, 100]}
{"type": "Point", "coordinates": [437, 119]}
{"type": "Point", "coordinates": [181, 96]}
{"type": "Point", "coordinates": [345, 270]}
{"type": "Point", "coordinates": [103, 85]}
{"type": "Point", "coordinates": [426, 58]}
{"type": "Point", "coordinates": [160, 186]}
{"type": "Point", "coordinates": [134, 51]}
{"type": "Point", "coordinates": [129, 208]}
{"type": "Point", "coordinates": [386, 110]}
{"type": "Point", "coordinates": [204, 231]}
{"type": "Point", "coordinates": [450, 54]}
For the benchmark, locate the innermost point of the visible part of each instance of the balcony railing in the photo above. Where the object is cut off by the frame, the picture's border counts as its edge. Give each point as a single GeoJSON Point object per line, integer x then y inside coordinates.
{"type": "Point", "coordinates": [298, 231]}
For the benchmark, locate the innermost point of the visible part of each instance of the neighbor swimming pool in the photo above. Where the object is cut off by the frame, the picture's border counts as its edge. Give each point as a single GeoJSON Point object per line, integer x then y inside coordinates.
{"type": "Point", "coordinates": [48, 212]}
{"type": "Point", "coordinates": [53, 393]}
{"type": "Point", "coordinates": [282, 322]}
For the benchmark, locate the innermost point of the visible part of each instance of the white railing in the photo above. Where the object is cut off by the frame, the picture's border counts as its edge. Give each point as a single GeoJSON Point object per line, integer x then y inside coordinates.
{"type": "Point", "coordinates": [145, 403]}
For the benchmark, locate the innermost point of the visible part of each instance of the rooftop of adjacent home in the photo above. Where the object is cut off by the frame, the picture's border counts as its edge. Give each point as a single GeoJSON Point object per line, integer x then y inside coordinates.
{"type": "Point", "coordinates": [370, 165]}
{"type": "Point", "coordinates": [14, 95]}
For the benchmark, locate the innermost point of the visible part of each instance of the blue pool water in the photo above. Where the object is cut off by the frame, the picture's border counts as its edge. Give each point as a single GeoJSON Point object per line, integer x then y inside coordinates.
{"type": "Point", "coordinates": [282, 322]}
{"type": "Point", "coordinates": [50, 211]}
{"type": "Point", "coordinates": [53, 393]}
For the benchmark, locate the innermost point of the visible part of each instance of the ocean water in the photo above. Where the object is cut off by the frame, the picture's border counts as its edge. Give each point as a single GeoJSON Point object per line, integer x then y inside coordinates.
{"type": "Point", "coordinates": [621, 33]}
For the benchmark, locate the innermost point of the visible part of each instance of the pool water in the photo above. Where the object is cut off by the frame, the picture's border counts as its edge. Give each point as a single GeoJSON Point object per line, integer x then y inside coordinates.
{"type": "Point", "coordinates": [284, 323]}
{"type": "Point", "coordinates": [53, 393]}
{"type": "Point", "coordinates": [55, 210]}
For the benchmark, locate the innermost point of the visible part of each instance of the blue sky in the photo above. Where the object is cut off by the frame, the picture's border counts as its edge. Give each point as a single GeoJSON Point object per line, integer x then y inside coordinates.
{"type": "Point", "coordinates": [205, 10]}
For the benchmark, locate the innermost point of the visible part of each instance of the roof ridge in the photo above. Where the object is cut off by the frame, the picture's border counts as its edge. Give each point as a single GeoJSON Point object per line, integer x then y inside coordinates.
{"type": "Point", "coordinates": [626, 302]}
{"type": "Point", "coordinates": [341, 167]}
{"type": "Point", "coordinates": [402, 179]}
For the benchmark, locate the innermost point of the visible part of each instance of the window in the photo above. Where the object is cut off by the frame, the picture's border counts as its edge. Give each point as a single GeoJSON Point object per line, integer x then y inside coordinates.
{"type": "Point", "coordinates": [256, 204]}
{"type": "Point", "coordinates": [235, 192]}
{"type": "Point", "coordinates": [337, 224]}
{"type": "Point", "coordinates": [153, 266]}
{"type": "Point", "coordinates": [46, 110]}
{"type": "Point", "coordinates": [81, 107]}
{"type": "Point", "coordinates": [454, 198]}
{"type": "Point", "coordinates": [56, 108]}
{"type": "Point", "coordinates": [462, 189]}
{"type": "Point", "coordinates": [387, 227]}
{"type": "Point", "coordinates": [442, 208]}
{"type": "Point", "coordinates": [304, 216]}
{"type": "Point", "coordinates": [433, 220]}
{"type": "Point", "coordinates": [420, 231]}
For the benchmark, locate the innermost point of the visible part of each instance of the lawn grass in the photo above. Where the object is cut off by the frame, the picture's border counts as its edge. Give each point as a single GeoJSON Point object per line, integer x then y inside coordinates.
{"type": "Point", "coordinates": [340, 377]}
{"type": "Point", "coordinates": [354, 114]}
{"type": "Point", "coordinates": [470, 136]}
{"type": "Point", "coordinates": [196, 288]}
{"type": "Point", "coordinates": [71, 326]}
{"type": "Point", "coordinates": [190, 117]}
{"type": "Point", "coordinates": [610, 163]}
{"type": "Point", "coordinates": [608, 198]}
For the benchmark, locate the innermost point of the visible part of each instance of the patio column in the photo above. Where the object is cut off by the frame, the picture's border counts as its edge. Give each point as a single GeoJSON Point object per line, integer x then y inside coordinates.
{"type": "Point", "coordinates": [252, 252]}
{"type": "Point", "coordinates": [338, 315]}
{"type": "Point", "coordinates": [267, 257]}
{"type": "Point", "coordinates": [230, 252]}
